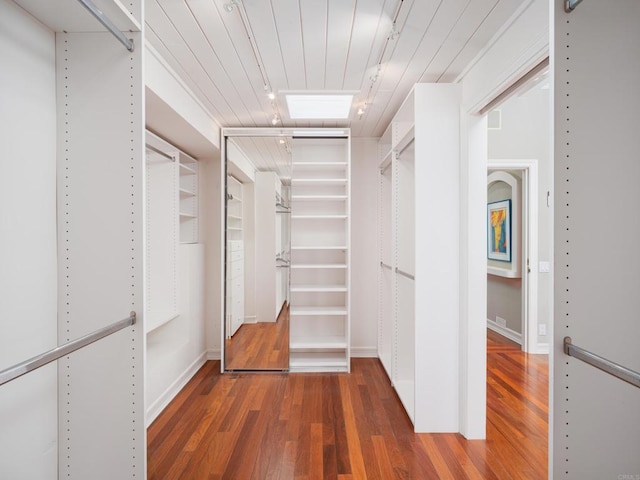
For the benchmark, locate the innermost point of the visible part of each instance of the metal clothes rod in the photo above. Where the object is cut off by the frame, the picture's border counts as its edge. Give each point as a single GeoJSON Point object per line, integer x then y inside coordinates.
{"type": "Point", "coordinates": [384, 265]}
{"type": "Point", "coordinates": [404, 274]}
{"type": "Point", "coordinates": [623, 373]}
{"type": "Point", "coordinates": [38, 361]}
{"type": "Point", "coordinates": [404, 147]}
{"type": "Point", "coordinates": [570, 5]}
{"type": "Point", "coordinates": [108, 24]}
{"type": "Point", "coordinates": [159, 152]}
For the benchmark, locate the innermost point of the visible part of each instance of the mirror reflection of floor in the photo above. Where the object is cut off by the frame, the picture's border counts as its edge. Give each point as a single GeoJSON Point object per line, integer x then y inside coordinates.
{"type": "Point", "coordinates": [260, 346]}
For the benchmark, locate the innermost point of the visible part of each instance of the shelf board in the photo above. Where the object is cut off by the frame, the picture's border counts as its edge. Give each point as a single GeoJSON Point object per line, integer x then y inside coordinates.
{"type": "Point", "coordinates": [235, 229]}
{"type": "Point", "coordinates": [187, 215]}
{"type": "Point", "coordinates": [317, 342]}
{"type": "Point", "coordinates": [319, 164]}
{"type": "Point", "coordinates": [317, 288]}
{"type": "Point", "coordinates": [318, 361]}
{"type": "Point", "coordinates": [185, 169]}
{"type": "Point", "coordinates": [320, 247]}
{"type": "Point", "coordinates": [66, 16]}
{"type": "Point", "coordinates": [317, 311]}
{"type": "Point", "coordinates": [184, 193]}
{"type": "Point", "coordinates": [305, 198]}
{"type": "Point", "coordinates": [319, 265]}
{"type": "Point", "coordinates": [319, 217]}
{"type": "Point", "coordinates": [318, 180]}
{"type": "Point", "coordinates": [234, 217]}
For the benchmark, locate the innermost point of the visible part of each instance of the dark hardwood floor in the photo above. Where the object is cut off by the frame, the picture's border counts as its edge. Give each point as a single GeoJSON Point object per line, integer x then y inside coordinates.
{"type": "Point", "coordinates": [347, 427]}
{"type": "Point", "coordinates": [260, 346]}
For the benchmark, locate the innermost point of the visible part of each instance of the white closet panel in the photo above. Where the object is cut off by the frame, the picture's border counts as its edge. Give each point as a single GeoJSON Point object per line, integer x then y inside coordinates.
{"type": "Point", "coordinates": [418, 277]}
{"type": "Point", "coordinates": [596, 417]}
{"type": "Point", "coordinates": [101, 251]}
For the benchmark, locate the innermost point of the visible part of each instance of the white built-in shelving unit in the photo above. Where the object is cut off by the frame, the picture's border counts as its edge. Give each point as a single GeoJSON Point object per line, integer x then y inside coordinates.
{"type": "Point", "coordinates": [234, 208]}
{"type": "Point", "coordinates": [418, 255]}
{"type": "Point", "coordinates": [235, 277]}
{"type": "Point", "coordinates": [320, 257]}
{"type": "Point", "coordinates": [98, 118]}
{"type": "Point", "coordinates": [188, 172]}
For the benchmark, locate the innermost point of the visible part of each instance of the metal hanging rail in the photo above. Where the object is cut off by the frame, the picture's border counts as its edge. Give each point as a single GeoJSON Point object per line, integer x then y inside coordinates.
{"type": "Point", "coordinates": [38, 361]}
{"type": "Point", "coordinates": [623, 373]}
{"type": "Point", "coordinates": [384, 265]}
{"type": "Point", "coordinates": [405, 274]}
{"type": "Point", "coordinates": [570, 5]}
{"type": "Point", "coordinates": [108, 24]}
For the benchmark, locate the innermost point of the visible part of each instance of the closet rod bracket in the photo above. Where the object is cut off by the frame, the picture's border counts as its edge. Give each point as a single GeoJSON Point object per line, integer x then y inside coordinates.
{"type": "Point", "coordinates": [108, 24]}
{"type": "Point", "coordinates": [570, 5]}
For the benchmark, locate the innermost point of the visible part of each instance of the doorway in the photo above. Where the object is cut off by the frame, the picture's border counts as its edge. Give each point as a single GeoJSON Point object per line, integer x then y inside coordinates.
{"type": "Point", "coordinates": [519, 173]}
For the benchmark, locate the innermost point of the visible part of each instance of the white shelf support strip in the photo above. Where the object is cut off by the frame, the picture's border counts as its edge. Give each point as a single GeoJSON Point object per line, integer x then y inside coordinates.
{"type": "Point", "coordinates": [570, 5]}
{"type": "Point", "coordinates": [54, 354]}
{"type": "Point", "coordinates": [618, 371]}
{"type": "Point", "coordinates": [108, 24]}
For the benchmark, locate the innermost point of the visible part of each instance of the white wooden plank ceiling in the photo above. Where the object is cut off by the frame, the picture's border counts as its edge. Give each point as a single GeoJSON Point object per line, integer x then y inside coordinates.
{"type": "Point", "coordinates": [331, 45]}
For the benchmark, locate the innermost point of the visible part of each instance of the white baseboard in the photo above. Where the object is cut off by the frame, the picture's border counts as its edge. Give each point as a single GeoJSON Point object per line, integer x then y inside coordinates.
{"type": "Point", "coordinates": [364, 352]}
{"type": "Point", "coordinates": [504, 331]}
{"type": "Point", "coordinates": [169, 394]}
{"type": "Point", "coordinates": [213, 354]}
{"type": "Point", "coordinates": [250, 319]}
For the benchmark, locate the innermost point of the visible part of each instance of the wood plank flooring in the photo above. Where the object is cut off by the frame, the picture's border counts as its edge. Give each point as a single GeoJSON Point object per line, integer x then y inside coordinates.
{"type": "Point", "coordinates": [260, 346]}
{"type": "Point", "coordinates": [347, 427]}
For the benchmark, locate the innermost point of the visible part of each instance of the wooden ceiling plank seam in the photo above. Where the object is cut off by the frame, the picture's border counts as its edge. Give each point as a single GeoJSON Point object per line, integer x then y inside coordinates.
{"type": "Point", "coordinates": [452, 17]}
{"type": "Point", "coordinates": [364, 44]}
{"type": "Point", "coordinates": [195, 73]}
{"type": "Point", "coordinates": [196, 61]}
{"type": "Point", "coordinates": [261, 23]}
{"type": "Point", "coordinates": [286, 17]}
{"type": "Point", "coordinates": [407, 54]}
{"type": "Point", "coordinates": [195, 40]}
{"type": "Point", "coordinates": [161, 48]}
{"type": "Point", "coordinates": [481, 37]}
{"type": "Point", "coordinates": [231, 63]}
{"type": "Point", "coordinates": [314, 25]}
{"type": "Point", "coordinates": [383, 74]}
{"type": "Point", "coordinates": [340, 16]}
{"type": "Point", "coordinates": [467, 39]}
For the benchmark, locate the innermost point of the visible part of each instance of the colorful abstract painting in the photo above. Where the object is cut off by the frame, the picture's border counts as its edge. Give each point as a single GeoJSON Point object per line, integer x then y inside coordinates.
{"type": "Point", "coordinates": [499, 230]}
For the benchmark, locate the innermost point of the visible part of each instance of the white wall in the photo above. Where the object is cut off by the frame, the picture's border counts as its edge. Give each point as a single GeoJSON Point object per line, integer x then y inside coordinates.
{"type": "Point", "coordinates": [364, 247]}
{"type": "Point", "coordinates": [28, 258]}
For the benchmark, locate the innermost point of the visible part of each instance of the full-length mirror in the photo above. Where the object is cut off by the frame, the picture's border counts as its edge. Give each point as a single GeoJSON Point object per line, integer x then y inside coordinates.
{"type": "Point", "coordinates": [258, 184]}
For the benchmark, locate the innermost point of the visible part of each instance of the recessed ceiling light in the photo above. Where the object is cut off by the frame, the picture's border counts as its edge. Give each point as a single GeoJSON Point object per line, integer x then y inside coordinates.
{"type": "Point", "coordinates": [319, 106]}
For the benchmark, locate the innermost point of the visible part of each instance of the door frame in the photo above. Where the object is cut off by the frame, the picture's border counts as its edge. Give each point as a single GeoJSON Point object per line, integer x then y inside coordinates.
{"type": "Point", "coordinates": [529, 257]}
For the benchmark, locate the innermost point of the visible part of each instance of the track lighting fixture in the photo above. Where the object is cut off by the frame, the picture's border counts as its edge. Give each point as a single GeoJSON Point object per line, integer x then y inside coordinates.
{"type": "Point", "coordinates": [230, 6]}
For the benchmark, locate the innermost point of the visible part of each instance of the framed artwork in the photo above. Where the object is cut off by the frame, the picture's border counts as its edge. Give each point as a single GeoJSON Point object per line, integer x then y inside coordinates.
{"type": "Point", "coordinates": [499, 230]}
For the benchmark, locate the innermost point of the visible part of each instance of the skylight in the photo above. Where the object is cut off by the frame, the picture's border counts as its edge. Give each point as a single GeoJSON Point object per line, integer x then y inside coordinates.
{"type": "Point", "coordinates": [319, 106]}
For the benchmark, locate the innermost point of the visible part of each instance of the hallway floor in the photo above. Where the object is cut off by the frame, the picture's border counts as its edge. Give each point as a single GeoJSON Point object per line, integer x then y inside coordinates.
{"type": "Point", "coordinates": [347, 426]}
